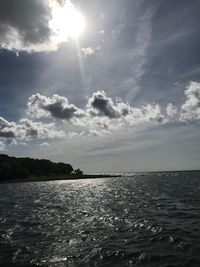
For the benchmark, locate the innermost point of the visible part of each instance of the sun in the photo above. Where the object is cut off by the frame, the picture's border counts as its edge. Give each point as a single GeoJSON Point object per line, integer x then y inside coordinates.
{"type": "Point", "coordinates": [67, 22]}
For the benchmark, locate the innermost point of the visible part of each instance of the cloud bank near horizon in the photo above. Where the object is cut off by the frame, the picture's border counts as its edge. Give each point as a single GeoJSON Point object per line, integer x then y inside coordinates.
{"type": "Point", "coordinates": [25, 130]}
{"type": "Point", "coordinates": [101, 115]}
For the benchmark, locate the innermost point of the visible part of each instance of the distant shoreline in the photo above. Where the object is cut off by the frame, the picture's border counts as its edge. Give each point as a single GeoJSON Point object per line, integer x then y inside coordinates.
{"type": "Point", "coordinates": [21, 170]}
{"type": "Point", "coordinates": [70, 177]}
{"type": "Point", "coordinates": [61, 178]}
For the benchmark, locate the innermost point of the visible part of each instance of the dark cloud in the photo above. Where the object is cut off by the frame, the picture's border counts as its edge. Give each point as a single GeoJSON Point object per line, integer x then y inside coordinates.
{"type": "Point", "coordinates": [7, 134]}
{"type": "Point", "coordinates": [58, 111]}
{"type": "Point", "coordinates": [56, 106]}
{"type": "Point", "coordinates": [24, 23]}
{"type": "Point", "coordinates": [104, 107]}
{"type": "Point", "coordinates": [101, 105]}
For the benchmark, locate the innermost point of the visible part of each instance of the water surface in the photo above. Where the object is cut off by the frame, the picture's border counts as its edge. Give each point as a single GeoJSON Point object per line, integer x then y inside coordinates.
{"type": "Point", "coordinates": [145, 220]}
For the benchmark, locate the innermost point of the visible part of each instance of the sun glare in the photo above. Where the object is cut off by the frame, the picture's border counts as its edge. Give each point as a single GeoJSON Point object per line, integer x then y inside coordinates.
{"type": "Point", "coordinates": [67, 22]}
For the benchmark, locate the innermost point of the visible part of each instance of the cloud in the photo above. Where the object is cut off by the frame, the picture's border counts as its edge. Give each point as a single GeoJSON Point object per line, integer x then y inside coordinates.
{"type": "Point", "coordinates": [101, 105]}
{"type": "Point", "coordinates": [55, 106]}
{"type": "Point", "coordinates": [7, 134]}
{"type": "Point", "coordinates": [24, 25]}
{"type": "Point", "coordinates": [6, 129]}
{"type": "Point", "coordinates": [88, 51]}
{"type": "Point", "coordinates": [25, 129]}
{"type": "Point", "coordinates": [171, 110]}
{"type": "Point", "coordinates": [145, 114]}
{"type": "Point", "coordinates": [101, 115]}
{"type": "Point", "coordinates": [190, 110]}
{"type": "Point", "coordinates": [33, 26]}
{"type": "Point", "coordinates": [31, 129]}
{"type": "Point", "coordinates": [44, 144]}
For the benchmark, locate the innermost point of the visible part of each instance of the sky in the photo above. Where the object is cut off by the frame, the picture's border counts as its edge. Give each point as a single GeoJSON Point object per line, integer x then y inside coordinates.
{"type": "Point", "coordinates": [108, 86]}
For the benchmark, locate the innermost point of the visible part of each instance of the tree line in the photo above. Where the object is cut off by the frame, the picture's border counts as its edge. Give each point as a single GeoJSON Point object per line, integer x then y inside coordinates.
{"type": "Point", "coordinates": [20, 168]}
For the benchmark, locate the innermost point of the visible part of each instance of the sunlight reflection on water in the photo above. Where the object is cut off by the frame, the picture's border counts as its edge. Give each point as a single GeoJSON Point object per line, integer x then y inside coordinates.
{"type": "Point", "coordinates": [117, 221]}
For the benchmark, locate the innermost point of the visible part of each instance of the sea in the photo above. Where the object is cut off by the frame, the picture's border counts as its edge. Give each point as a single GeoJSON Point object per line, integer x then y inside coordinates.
{"type": "Point", "coordinates": [140, 219]}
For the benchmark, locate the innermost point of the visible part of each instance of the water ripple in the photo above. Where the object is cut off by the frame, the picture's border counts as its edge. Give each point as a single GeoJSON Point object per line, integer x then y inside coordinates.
{"type": "Point", "coordinates": [145, 220]}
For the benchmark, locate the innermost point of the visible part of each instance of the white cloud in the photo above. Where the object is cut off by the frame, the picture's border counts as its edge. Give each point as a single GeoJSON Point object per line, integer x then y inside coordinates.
{"type": "Point", "coordinates": [31, 129]}
{"type": "Point", "coordinates": [88, 51]}
{"type": "Point", "coordinates": [101, 115]}
{"type": "Point", "coordinates": [6, 129]}
{"type": "Point", "coordinates": [44, 144]}
{"type": "Point", "coordinates": [190, 110]}
{"type": "Point", "coordinates": [171, 110]}
{"type": "Point", "coordinates": [145, 114]}
{"type": "Point", "coordinates": [25, 129]}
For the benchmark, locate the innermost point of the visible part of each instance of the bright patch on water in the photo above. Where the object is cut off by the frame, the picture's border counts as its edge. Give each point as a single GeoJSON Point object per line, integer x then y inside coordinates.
{"type": "Point", "coordinates": [145, 220]}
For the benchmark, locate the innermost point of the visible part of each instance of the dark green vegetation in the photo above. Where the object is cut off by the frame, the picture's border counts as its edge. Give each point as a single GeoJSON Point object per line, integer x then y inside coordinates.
{"type": "Point", "coordinates": [12, 168]}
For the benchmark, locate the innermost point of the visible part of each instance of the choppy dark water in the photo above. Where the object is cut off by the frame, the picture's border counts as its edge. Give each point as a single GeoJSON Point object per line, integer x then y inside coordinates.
{"type": "Point", "coordinates": [146, 220]}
